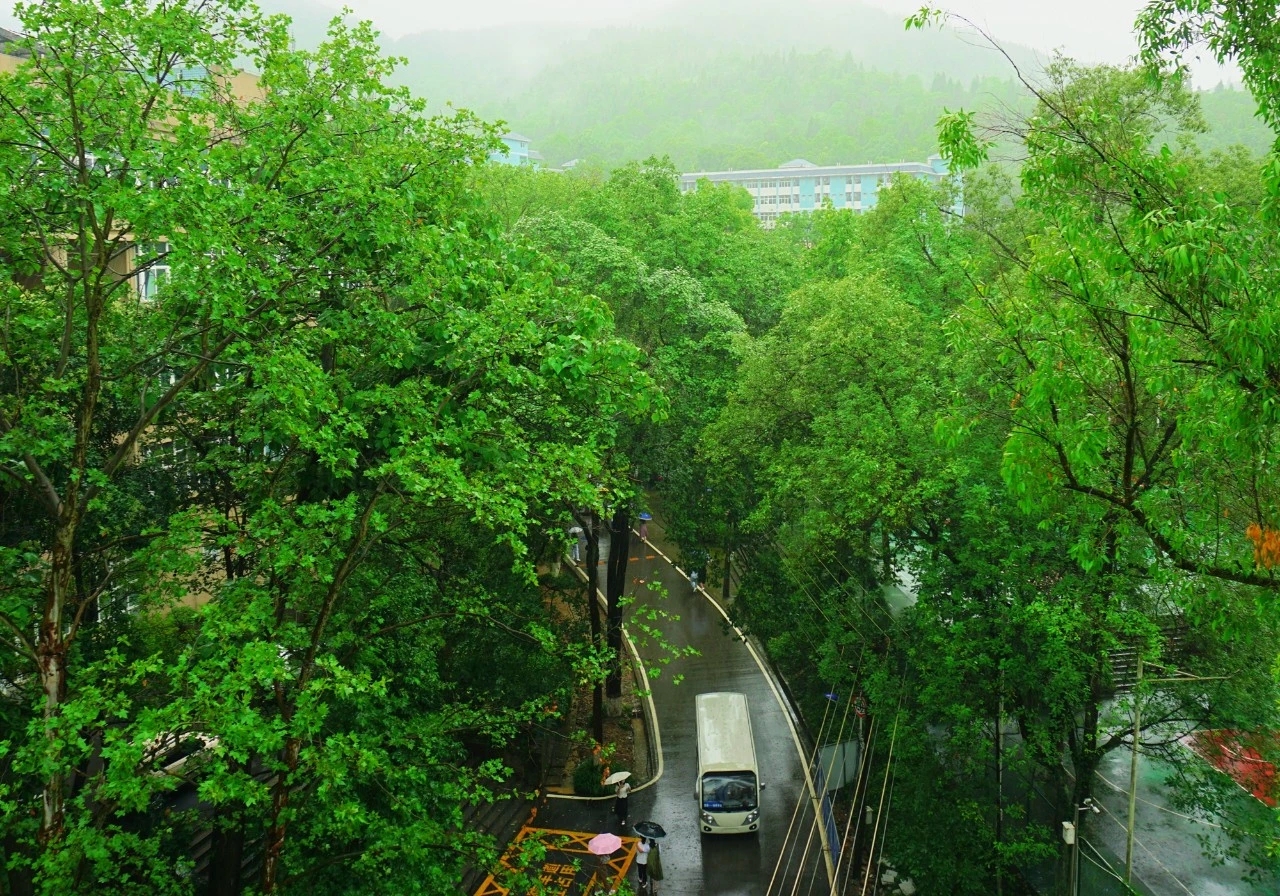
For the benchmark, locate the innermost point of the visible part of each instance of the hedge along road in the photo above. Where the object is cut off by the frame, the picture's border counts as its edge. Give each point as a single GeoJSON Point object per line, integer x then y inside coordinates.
{"type": "Point", "coordinates": [787, 855]}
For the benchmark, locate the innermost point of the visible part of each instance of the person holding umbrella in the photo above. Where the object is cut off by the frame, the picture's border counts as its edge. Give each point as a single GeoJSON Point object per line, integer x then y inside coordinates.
{"type": "Point", "coordinates": [642, 863]}
{"type": "Point", "coordinates": [602, 845]}
{"type": "Point", "coordinates": [650, 867]}
{"type": "Point", "coordinates": [655, 867]}
{"type": "Point", "coordinates": [621, 794]}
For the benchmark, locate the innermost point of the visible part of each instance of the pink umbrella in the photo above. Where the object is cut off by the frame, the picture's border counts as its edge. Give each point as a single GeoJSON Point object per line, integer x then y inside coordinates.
{"type": "Point", "coordinates": [604, 844]}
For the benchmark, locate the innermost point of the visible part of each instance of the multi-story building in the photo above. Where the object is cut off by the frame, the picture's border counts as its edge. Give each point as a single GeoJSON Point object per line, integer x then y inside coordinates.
{"type": "Point", "coordinates": [516, 151]}
{"type": "Point", "coordinates": [801, 186]}
{"type": "Point", "coordinates": [145, 264]}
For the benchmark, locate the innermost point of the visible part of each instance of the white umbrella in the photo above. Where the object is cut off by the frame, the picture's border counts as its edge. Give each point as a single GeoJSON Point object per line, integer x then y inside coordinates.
{"type": "Point", "coordinates": [616, 777]}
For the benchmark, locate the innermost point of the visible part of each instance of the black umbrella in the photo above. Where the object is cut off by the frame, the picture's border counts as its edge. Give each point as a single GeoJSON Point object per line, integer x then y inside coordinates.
{"type": "Point", "coordinates": [650, 829]}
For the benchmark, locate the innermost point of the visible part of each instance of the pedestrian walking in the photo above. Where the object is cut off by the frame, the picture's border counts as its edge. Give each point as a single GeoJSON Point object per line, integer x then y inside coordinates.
{"type": "Point", "coordinates": [642, 863]}
{"type": "Point", "coordinates": [655, 866]}
{"type": "Point", "coordinates": [644, 530]}
{"type": "Point", "coordinates": [576, 534]}
{"type": "Point", "coordinates": [621, 795]}
{"type": "Point", "coordinates": [693, 579]}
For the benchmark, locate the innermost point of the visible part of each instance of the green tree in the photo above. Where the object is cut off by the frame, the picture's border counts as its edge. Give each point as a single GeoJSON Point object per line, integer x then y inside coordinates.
{"type": "Point", "coordinates": [514, 192]}
{"type": "Point", "coordinates": [344, 390]}
{"type": "Point", "coordinates": [690, 343]}
{"type": "Point", "coordinates": [1127, 326]}
{"type": "Point", "coordinates": [709, 233]}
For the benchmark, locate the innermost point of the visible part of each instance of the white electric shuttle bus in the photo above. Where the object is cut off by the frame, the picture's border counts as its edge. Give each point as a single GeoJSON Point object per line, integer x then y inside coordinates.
{"type": "Point", "coordinates": [728, 780]}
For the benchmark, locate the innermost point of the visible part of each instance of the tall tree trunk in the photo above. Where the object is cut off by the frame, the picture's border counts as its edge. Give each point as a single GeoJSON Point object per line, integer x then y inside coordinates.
{"type": "Point", "coordinates": [728, 559]}
{"type": "Point", "coordinates": [619, 549]}
{"type": "Point", "coordinates": [279, 825]}
{"type": "Point", "coordinates": [68, 511]}
{"type": "Point", "coordinates": [52, 653]}
{"type": "Point", "coordinates": [999, 791]}
{"type": "Point", "coordinates": [281, 792]}
{"type": "Point", "coordinates": [591, 530]}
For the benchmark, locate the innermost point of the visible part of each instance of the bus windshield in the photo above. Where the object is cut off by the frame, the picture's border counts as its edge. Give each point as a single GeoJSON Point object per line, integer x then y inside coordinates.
{"type": "Point", "coordinates": [729, 792]}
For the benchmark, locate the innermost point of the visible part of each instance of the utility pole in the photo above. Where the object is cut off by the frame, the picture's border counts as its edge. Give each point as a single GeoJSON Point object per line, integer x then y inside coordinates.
{"type": "Point", "coordinates": [1071, 836]}
{"type": "Point", "coordinates": [1177, 678]}
{"type": "Point", "coordinates": [1133, 773]}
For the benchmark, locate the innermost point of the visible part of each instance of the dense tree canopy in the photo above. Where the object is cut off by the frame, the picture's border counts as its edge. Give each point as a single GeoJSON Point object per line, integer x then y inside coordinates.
{"type": "Point", "coordinates": [298, 397]}
{"type": "Point", "coordinates": [262, 354]}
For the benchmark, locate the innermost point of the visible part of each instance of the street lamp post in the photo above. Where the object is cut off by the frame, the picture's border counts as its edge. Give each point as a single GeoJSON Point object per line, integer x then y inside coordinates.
{"type": "Point", "coordinates": [1071, 836]}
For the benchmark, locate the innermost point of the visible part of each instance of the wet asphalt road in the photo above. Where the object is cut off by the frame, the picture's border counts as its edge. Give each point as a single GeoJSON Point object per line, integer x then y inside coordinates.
{"type": "Point", "coordinates": [784, 857]}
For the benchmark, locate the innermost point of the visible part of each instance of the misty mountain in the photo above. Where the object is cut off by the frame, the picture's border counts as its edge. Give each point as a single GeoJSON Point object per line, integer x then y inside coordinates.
{"type": "Point", "coordinates": [716, 83]}
{"type": "Point", "coordinates": [740, 109]}
{"type": "Point", "coordinates": [310, 19]}
{"type": "Point", "coordinates": [483, 68]}
{"type": "Point", "coordinates": [873, 37]}
{"type": "Point", "coordinates": [719, 85]}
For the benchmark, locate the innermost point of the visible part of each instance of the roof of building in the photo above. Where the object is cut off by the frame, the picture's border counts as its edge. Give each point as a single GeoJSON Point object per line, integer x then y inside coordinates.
{"type": "Point", "coordinates": [7, 38]}
{"type": "Point", "coordinates": [520, 138]}
{"type": "Point", "coordinates": [798, 163]}
{"type": "Point", "coordinates": [535, 155]}
{"type": "Point", "coordinates": [815, 171]}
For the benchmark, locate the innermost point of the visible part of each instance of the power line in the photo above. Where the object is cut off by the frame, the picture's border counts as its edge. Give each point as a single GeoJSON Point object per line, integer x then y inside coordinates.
{"type": "Point", "coordinates": [1118, 789]}
{"type": "Point", "coordinates": [849, 703]}
{"type": "Point", "coordinates": [822, 736]}
{"type": "Point", "coordinates": [875, 828]}
{"type": "Point", "coordinates": [1109, 814]}
{"type": "Point", "coordinates": [787, 851]}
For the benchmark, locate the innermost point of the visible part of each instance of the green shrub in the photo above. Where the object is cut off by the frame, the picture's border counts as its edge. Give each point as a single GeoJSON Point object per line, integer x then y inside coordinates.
{"type": "Point", "coordinates": [586, 778]}
{"type": "Point", "coordinates": [587, 775]}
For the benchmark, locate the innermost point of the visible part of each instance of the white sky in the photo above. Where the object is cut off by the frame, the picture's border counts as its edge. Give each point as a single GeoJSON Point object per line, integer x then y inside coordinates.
{"type": "Point", "coordinates": [1088, 30]}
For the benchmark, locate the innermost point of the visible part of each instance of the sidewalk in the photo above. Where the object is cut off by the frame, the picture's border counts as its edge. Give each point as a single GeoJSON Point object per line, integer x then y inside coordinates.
{"type": "Point", "coordinates": [634, 682]}
{"type": "Point", "coordinates": [566, 822]}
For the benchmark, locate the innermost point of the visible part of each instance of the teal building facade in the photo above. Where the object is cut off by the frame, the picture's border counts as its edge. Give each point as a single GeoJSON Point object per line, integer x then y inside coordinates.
{"type": "Point", "coordinates": [516, 151]}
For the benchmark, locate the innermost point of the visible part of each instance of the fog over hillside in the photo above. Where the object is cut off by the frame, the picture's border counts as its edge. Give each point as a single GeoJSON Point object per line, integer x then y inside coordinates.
{"type": "Point", "coordinates": [487, 67]}
{"type": "Point", "coordinates": [715, 83]}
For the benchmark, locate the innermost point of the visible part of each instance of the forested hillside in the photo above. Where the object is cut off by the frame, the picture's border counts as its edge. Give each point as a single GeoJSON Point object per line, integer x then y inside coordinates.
{"type": "Point", "coordinates": [725, 86]}
{"type": "Point", "coordinates": [712, 108]}
{"type": "Point", "coordinates": [495, 65]}
{"type": "Point", "coordinates": [740, 110]}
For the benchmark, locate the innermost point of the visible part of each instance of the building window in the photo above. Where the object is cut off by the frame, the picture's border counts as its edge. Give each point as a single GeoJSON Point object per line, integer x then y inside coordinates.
{"type": "Point", "coordinates": [189, 80]}
{"type": "Point", "coordinates": [170, 453]}
{"type": "Point", "coordinates": [151, 280]}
